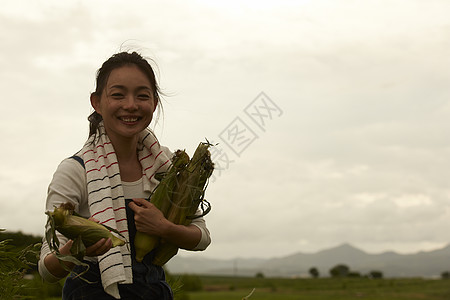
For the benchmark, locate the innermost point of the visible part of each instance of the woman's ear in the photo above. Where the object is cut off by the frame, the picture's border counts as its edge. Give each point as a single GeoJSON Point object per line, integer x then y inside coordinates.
{"type": "Point", "coordinates": [95, 102]}
{"type": "Point", "coordinates": [155, 104]}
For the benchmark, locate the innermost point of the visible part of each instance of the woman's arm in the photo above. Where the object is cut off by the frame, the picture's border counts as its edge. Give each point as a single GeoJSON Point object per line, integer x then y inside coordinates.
{"type": "Point", "coordinates": [68, 185]}
{"type": "Point", "coordinates": [53, 264]}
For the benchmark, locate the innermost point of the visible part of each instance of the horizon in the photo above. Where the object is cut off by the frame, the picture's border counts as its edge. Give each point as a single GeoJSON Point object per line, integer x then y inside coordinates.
{"type": "Point", "coordinates": [202, 256]}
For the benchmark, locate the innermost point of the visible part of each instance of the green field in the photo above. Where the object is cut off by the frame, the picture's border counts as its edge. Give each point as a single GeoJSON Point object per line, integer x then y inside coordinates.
{"type": "Point", "coordinates": [13, 283]}
{"type": "Point", "coordinates": [229, 288]}
{"type": "Point", "coordinates": [219, 288]}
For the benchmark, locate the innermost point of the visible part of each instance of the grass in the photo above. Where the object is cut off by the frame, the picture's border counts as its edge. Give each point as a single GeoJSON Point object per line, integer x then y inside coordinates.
{"type": "Point", "coordinates": [236, 288]}
{"type": "Point", "coordinates": [219, 288]}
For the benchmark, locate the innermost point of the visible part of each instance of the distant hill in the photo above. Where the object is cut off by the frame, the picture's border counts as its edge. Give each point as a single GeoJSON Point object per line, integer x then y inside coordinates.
{"type": "Point", "coordinates": [421, 264]}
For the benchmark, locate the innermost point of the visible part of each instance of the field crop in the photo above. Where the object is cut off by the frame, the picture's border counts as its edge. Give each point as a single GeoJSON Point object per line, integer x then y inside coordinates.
{"type": "Point", "coordinates": [236, 288]}
{"type": "Point", "coordinates": [219, 288]}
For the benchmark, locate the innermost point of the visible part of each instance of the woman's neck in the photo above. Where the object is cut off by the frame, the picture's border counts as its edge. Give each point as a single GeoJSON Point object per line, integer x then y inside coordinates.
{"type": "Point", "coordinates": [126, 152]}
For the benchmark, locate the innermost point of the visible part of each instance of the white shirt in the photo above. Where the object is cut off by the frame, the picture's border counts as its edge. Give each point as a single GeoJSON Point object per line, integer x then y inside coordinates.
{"type": "Point", "coordinates": [69, 185]}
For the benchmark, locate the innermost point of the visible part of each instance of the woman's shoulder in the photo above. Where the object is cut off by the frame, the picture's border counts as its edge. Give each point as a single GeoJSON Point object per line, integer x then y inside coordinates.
{"type": "Point", "coordinates": [72, 163]}
{"type": "Point", "coordinates": [68, 184]}
{"type": "Point", "coordinates": [70, 170]}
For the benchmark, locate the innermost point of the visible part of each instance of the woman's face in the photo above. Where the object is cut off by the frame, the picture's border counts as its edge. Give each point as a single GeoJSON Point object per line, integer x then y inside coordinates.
{"type": "Point", "coordinates": [126, 104]}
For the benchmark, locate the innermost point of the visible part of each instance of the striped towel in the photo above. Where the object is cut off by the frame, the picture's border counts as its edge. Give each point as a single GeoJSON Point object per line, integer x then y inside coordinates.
{"type": "Point", "coordinates": [106, 198]}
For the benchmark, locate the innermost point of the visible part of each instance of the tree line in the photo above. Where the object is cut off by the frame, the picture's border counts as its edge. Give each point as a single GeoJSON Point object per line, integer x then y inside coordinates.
{"type": "Point", "coordinates": [342, 270]}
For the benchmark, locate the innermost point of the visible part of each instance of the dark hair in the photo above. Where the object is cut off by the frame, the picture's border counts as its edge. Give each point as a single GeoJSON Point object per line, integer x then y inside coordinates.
{"type": "Point", "coordinates": [116, 61]}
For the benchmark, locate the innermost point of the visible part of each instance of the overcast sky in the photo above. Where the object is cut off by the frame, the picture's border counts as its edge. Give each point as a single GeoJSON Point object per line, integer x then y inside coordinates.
{"type": "Point", "coordinates": [332, 117]}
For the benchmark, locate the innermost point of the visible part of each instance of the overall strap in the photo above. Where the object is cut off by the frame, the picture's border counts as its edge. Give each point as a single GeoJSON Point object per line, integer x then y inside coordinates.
{"type": "Point", "coordinates": [78, 159]}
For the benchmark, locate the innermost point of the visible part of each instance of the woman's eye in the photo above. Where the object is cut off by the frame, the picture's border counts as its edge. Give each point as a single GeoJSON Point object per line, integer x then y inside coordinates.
{"type": "Point", "coordinates": [117, 96]}
{"type": "Point", "coordinates": [144, 97]}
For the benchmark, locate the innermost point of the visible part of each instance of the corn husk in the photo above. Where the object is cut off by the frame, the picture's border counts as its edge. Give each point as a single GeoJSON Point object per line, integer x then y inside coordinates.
{"type": "Point", "coordinates": [161, 198]}
{"type": "Point", "coordinates": [188, 197]}
{"type": "Point", "coordinates": [82, 231]}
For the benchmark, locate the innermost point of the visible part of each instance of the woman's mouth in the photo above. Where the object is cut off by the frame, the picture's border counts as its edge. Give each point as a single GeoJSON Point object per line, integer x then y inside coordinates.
{"type": "Point", "coordinates": [129, 119]}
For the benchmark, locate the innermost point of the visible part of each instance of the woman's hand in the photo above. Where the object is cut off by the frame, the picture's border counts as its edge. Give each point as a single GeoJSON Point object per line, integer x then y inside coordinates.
{"type": "Point", "coordinates": [53, 264]}
{"type": "Point", "coordinates": [148, 218]}
{"type": "Point", "coordinates": [99, 248]}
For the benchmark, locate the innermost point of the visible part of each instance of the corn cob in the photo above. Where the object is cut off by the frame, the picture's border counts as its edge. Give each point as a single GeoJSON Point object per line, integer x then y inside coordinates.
{"type": "Point", "coordinates": [82, 231]}
{"type": "Point", "coordinates": [73, 226]}
{"type": "Point", "coordinates": [161, 198]}
{"type": "Point", "coordinates": [164, 252]}
{"type": "Point", "coordinates": [187, 198]}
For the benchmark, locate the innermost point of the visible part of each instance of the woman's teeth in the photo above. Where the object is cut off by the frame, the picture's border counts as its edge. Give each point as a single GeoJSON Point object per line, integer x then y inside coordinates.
{"type": "Point", "coordinates": [129, 119]}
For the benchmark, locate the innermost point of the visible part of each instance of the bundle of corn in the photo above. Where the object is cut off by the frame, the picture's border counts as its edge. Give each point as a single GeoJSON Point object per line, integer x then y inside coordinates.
{"type": "Point", "coordinates": [82, 231]}
{"type": "Point", "coordinates": [162, 199]}
{"type": "Point", "coordinates": [187, 197]}
{"type": "Point", "coordinates": [178, 196]}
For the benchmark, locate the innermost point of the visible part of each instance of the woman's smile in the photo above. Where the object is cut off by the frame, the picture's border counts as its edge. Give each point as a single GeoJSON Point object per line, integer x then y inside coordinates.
{"type": "Point", "coordinates": [130, 120]}
{"type": "Point", "coordinates": [127, 103]}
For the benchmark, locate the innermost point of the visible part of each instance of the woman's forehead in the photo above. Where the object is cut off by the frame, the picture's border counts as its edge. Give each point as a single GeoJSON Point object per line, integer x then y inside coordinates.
{"type": "Point", "coordinates": [129, 75]}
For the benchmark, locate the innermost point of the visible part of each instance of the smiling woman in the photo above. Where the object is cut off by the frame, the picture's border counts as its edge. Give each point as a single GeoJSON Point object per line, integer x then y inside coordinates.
{"type": "Point", "coordinates": [126, 106]}
{"type": "Point", "coordinates": [109, 180]}
{"type": "Point", "coordinates": [115, 84]}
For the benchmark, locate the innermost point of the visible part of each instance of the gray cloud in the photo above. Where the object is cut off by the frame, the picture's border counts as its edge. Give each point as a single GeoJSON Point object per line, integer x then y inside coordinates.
{"type": "Point", "coordinates": [358, 155]}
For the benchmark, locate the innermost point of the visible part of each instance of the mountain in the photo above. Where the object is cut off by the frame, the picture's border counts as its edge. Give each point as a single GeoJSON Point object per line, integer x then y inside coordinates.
{"type": "Point", "coordinates": [421, 264]}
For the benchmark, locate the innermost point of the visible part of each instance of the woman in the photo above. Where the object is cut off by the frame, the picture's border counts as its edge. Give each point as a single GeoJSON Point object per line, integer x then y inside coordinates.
{"type": "Point", "coordinates": [108, 180]}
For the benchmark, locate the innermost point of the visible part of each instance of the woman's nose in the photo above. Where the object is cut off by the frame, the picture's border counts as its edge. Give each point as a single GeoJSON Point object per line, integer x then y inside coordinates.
{"type": "Point", "coordinates": [130, 103]}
